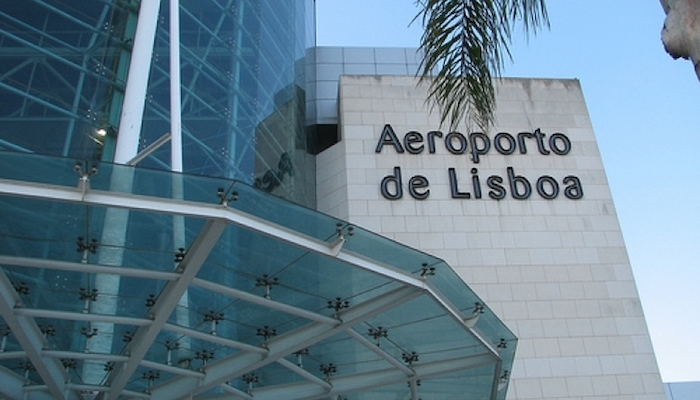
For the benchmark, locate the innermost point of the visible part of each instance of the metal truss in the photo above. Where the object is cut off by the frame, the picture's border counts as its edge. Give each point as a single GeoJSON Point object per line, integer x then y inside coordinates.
{"type": "Point", "coordinates": [34, 58]}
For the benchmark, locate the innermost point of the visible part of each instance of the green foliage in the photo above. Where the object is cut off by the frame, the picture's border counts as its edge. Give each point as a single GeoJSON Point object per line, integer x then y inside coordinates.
{"type": "Point", "coordinates": [464, 45]}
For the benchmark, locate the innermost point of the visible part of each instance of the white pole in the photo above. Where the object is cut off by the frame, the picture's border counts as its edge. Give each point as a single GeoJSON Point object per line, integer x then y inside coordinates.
{"type": "Point", "coordinates": [175, 91]}
{"type": "Point", "coordinates": [116, 220]}
{"type": "Point", "coordinates": [176, 151]}
{"type": "Point", "coordinates": [137, 82]}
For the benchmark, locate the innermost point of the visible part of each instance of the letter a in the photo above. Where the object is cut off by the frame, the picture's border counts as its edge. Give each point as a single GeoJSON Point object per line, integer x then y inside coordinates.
{"type": "Point", "coordinates": [388, 137]}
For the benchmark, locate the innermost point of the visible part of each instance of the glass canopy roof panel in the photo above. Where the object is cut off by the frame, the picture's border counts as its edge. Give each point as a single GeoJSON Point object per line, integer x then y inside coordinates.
{"type": "Point", "coordinates": [396, 391]}
{"type": "Point", "coordinates": [21, 367]}
{"type": "Point", "coordinates": [418, 263]}
{"type": "Point", "coordinates": [347, 354]}
{"type": "Point", "coordinates": [267, 269]}
{"type": "Point", "coordinates": [418, 330]}
{"type": "Point", "coordinates": [438, 273]}
{"type": "Point", "coordinates": [46, 289]}
{"type": "Point", "coordinates": [167, 185]}
{"type": "Point", "coordinates": [42, 229]}
{"type": "Point", "coordinates": [328, 283]}
{"type": "Point", "coordinates": [8, 342]}
{"type": "Point", "coordinates": [186, 352]}
{"type": "Point", "coordinates": [144, 378]}
{"type": "Point", "coordinates": [158, 183]}
{"type": "Point", "coordinates": [74, 233]}
{"type": "Point", "coordinates": [96, 338]}
{"type": "Point", "coordinates": [234, 319]}
{"type": "Point", "coordinates": [150, 242]}
{"type": "Point", "coordinates": [461, 296]}
{"type": "Point", "coordinates": [277, 211]}
{"type": "Point", "coordinates": [288, 274]}
{"type": "Point", "coordinates": [387, 251]}
{"type": "Point", "coordinates": [269, 375]}
{"type": "Point", "coordinates": [68, 172]}
{"type": "Point", "coordinates": [471, 384]}
{"type": "Point", "coordinates": [38, 169]}
{"type": "Point", "coordinates": [247, 255]}
{"type": "Point", "coordinates": [81, 292]}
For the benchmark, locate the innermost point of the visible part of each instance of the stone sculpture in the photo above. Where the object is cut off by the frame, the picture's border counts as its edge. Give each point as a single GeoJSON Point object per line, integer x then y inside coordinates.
{"type": "Point", "coordinates": [681, 31]}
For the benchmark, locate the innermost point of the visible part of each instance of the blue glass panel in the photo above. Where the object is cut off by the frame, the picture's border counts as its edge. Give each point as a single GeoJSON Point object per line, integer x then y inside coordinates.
{"type": "Point", "coordinates": [64, 70]}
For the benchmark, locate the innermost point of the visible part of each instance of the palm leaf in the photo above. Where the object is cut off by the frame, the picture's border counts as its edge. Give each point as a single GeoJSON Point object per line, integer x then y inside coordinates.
{"type": "Point", "coordinates": [464, 45]}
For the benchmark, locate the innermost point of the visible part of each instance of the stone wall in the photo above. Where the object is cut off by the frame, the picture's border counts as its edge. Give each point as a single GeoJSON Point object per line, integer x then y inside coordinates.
{"type": "Point", "coordinates": [554, 269]}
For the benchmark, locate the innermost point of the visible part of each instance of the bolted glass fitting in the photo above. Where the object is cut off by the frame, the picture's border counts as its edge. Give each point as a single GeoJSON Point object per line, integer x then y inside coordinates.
{"type": "Point", "coordinates": [86, 246]}
{"type": "Point", "coordinates": [426, 270]}
{"type": "Point", "coordinates": [378, 333]}
{"type": "Point", "coordinates": [328, 370]}
{"type": "Point", "coordinates": [204, 355]}
{"type": "Point", "coordinates": [267, 283]}
{"type": "Point", "coordinates": [338, 304]}
{"type": "Point", "coordinates": [226, 196]}
{"type": "Point", "coordinates": [180, 255]}
{"type": "Point", "coordinates": [409, 358]}
{"type": "Point", "coordinates": [266, 332]}
{"type": "Point", "coordinates": [214, 318]}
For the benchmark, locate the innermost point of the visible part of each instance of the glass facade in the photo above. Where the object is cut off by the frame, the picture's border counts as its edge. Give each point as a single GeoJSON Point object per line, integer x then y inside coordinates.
{"type": "Point", "coordinates": [64, 67]}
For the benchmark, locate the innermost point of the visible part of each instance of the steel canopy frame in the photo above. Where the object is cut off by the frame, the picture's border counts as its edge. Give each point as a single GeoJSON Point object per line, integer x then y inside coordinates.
{"type": "Point", "coordinates": [285, 344]}
{"type": "Point", "coordinates": [236, 217]}
{"type": "Point", "coordinates": [249, 358]}
{"type": "Point", "coordinates": [166, 303]}
{"type": "Point", "coordinates": [30, 337]}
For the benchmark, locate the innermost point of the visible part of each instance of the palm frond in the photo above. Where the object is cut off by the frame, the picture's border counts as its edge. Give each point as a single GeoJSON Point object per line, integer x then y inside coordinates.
{"type": "Point", "coordinates": [464, 46]}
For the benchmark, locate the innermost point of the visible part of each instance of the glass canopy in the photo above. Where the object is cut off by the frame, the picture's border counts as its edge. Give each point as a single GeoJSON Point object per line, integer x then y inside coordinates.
{"type": "Point", "coordinates": [123, 282]}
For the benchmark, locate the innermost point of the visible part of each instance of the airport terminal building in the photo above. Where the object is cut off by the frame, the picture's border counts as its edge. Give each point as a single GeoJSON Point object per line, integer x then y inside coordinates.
{"type": "Point", "coordinates": [203, 204]}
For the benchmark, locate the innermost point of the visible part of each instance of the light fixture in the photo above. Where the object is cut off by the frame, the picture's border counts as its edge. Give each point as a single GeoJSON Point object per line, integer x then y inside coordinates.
{"type": "Point", "coordinates": [101, 132]}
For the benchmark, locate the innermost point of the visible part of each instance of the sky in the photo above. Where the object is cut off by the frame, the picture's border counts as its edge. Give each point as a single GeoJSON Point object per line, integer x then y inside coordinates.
{"type": "Point", "coordinates": [645, 110]}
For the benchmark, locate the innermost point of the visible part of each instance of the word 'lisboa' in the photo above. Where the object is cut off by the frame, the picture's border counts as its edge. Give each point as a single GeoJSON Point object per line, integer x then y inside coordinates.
{"type": "Point", "coordinates": [478, 144]}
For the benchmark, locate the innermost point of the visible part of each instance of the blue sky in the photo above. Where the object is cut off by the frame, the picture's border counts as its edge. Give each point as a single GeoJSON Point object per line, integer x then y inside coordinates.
{"type": "Point", "coordinates": [645, 109]}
